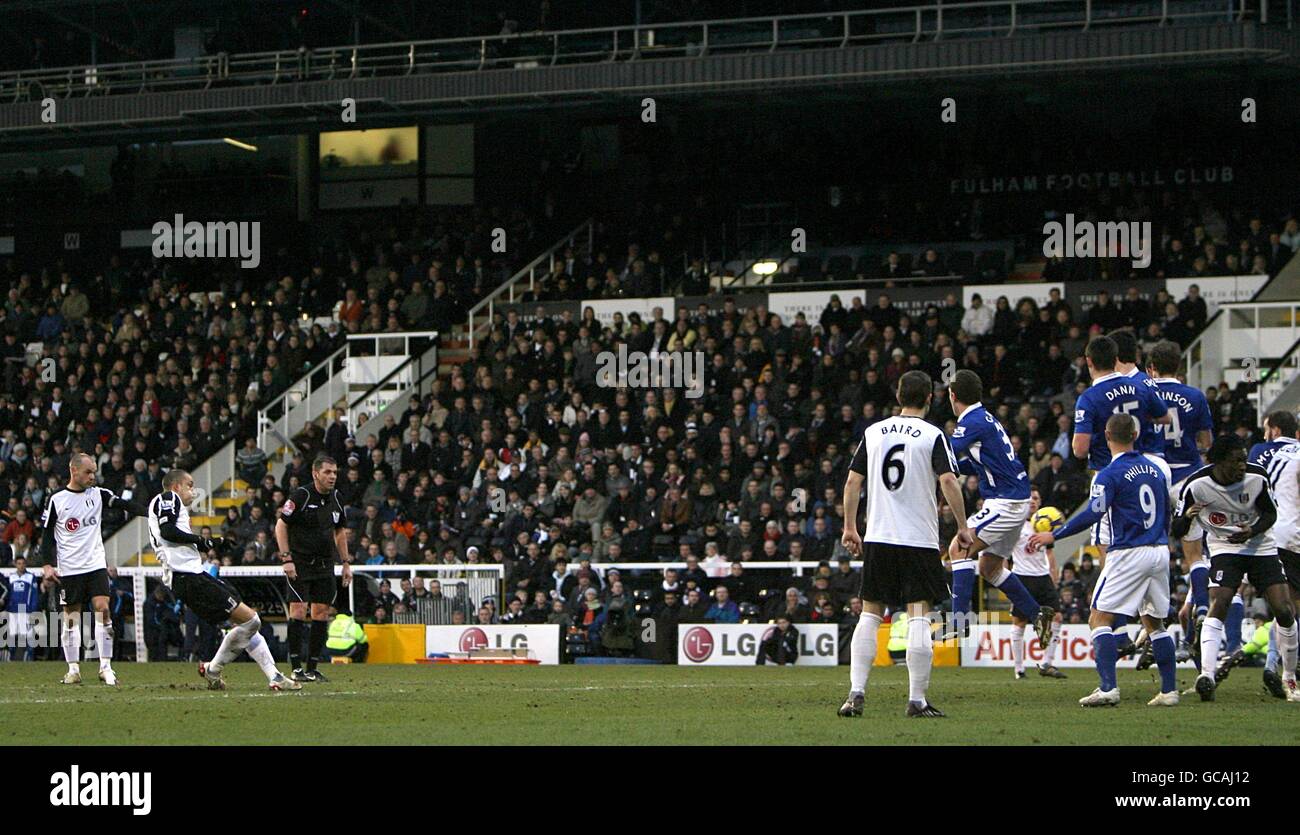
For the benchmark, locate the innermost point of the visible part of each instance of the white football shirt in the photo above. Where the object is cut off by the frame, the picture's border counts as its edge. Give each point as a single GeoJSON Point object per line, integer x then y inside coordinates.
{"type": "Point", "coordinates": [77, 516]}
{"type": "Point", "coordinates": [1028, 563]}
{"type": "Point", "coordinates": [900, 458]}
{"type": "Point", "coordinates": [166, 508]}
{"type": "Point", "coordinates": [1284, 476]}
{"type": "Point", "coordinates": [1229, 505]}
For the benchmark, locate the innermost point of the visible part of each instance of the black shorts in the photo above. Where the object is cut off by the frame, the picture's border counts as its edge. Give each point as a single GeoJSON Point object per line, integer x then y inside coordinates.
{"type": "Point", "coordinates": [78, 589]}
{"type": "Point", "coordinates": [1042, 589]}
{"type": "Point", "coordinates": [897, 575]}
{"type": "Point", "coordinates": [1228, 570]}
{"type": "Point", "coordinates": [315, 583]}
{"type": "Point", "coordinates": [1291, 565]}
{"type": "Point", "coordinates": [211, 598]}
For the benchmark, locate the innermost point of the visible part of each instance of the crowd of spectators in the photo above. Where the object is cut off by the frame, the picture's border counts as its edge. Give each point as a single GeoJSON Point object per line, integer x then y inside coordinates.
{"type": "Point", "coordinates": [519, 457]}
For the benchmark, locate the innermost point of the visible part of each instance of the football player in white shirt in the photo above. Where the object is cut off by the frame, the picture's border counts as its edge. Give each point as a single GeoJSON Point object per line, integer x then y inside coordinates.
{"type": "Point", "coordinates": [212, 599]}
{"type": "Point", "coordinates": [1233, 501]}
{"type": "Point", "coordinates": [73, 541]}
{"type": "Point", "coordinates": [1037, 569]}
{"type": "Point", "coordinates": [895, 469]}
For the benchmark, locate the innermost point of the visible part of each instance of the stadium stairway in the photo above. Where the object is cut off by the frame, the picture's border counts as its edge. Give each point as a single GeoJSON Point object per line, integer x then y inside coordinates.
{"type": "Point", "coordinates": [453, 351]}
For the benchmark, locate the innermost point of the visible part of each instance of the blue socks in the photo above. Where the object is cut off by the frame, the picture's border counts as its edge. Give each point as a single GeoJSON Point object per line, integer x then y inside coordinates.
{"type": "Point", "coordinates": [1199, 580]}
{"type": "Point", "coordinates": [1010, 585]}
{"type": "Point", "coordinates": [1232, 624]}
{"type": "Point", "coordinates": [1103, 647]}
{"type": "Point", "coordinates": [1162, 646]}
{"type": "Point", "coordinates": [963, 586]}
{"type": "Point", "coordinates": [1274, 656]}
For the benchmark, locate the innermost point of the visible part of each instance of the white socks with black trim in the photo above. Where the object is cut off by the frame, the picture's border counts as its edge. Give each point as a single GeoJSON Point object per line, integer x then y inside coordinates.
{"type": "Point", "coordinates": [862, 651]}
{"type": "Point", "coordinates": [920, 658]}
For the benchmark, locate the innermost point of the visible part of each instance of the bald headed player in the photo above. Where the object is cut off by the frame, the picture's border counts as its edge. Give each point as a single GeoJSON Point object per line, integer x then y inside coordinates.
{"type": "Point", "coordinates": [72, 540]}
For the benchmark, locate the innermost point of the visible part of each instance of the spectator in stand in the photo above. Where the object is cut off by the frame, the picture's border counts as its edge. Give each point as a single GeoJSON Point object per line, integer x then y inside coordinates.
{"type": "Point", "coordinates": [723, 610]}
{"type": "Point", "coordinates": [978, 319]}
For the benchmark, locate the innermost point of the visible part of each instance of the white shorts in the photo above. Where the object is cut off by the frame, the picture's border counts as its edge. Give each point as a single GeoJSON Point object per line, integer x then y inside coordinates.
{"type": "Point", "coordinates": [999, 524]}
{"type": "Point", "coordinates": [1134, 581]}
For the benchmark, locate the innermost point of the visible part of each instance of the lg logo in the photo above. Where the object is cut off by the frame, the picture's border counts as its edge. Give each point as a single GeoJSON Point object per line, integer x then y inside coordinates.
{"type": "Point", "coordinates": [697, 643]}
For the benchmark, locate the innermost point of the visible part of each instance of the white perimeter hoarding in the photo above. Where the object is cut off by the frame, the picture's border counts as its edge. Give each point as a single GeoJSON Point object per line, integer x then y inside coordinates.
{"type": "Point", "coordinates": [541, 640]}
{"type": "Point", "coordinates": [736, 644]}
{"type": "Point", "coordinates": [990, 646]}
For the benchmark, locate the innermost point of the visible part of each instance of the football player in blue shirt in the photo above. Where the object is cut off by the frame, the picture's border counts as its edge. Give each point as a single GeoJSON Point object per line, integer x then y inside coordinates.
{"type": "Point", "coordinates": [1117, 386]}
{"type": "Point", "coordinates": [1189, 431]}
{"type": "Point", "coordinates": [984, 451]}
{"type": "Point", "coordinates": [1132, 491]}
{"type": "Point", "coordinates": [1111, 393]}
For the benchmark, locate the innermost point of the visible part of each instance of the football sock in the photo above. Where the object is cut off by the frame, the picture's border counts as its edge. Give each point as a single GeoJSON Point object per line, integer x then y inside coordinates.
{"type": "Point", "coordinates": [1010, 585]}
{"type": "Point", "coordinates": [1199, 579]}
{"type": "Point", "coordinates": [1162, 646]}
{"type": "Point", "coordinates": [261, 653]}
{"type": "Point", "coordinates": [296, 636]}
{"type": "Point", "coordinates": [963, 586]}
{"type": "Point", "coordinates": [234, 643]}
{"type": "Point", "coordinates": [1286, 640]}
{"type": "Point", "coordinates": [319, 632]}
{"type": "Point", "coordinates": [1232, 624]}
{"type": "Point", "coordinates": [1211, 639]}
{"type": "Point", "coordinates": [862, 651]}
{"type": "Point", "coordinates": [1049, 651]}
{"type": "Point", "coordinates": [1122, 638]}
{"type": "Point", "coordinates": [1107, 654]}
{"type": "Point", "coordinates": [71, 644]}
{"type": "Point", "coordinates": [920, 655]}
{"type": "Point", "coordinates": [1274, 656]}
{"type": "Point", "coordinates": [104, 641]}
{"type": "Point", "coordinates": [1018, 647]}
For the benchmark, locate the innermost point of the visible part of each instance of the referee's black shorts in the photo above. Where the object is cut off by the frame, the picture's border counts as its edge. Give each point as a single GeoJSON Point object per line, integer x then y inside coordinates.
{"type": "Point", "coordinates": [315, 582]}
{"type": "Point", "coordinates": [211, 598]}
{"type": "Point", "coordinates": [897, 575]}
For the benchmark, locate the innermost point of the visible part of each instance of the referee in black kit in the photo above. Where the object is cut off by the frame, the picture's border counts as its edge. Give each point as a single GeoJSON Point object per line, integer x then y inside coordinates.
{"type": "Point", "coordinates": [311, 529]}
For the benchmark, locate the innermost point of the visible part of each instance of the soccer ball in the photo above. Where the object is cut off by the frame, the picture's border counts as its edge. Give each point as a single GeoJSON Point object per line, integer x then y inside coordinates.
{"type": "Point", "coordinates": [1048, 519]}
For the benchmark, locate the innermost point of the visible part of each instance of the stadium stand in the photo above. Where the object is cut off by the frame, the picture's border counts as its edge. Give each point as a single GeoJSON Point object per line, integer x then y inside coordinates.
{"type": "Point", "coordinates": [750, 471]}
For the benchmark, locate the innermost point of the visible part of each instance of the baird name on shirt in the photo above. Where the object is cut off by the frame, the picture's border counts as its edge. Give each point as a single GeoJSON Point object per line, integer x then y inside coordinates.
{"type": "Point", "coordinates": [894, 429]}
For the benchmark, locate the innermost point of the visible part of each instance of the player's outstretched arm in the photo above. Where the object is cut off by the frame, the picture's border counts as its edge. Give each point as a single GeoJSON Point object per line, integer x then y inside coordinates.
{"type": "Point", "coordinates": [116, 502]}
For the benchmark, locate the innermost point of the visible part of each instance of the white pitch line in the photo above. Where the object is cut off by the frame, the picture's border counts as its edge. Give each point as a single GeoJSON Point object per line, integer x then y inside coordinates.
{"type": "Point", "coordinates": [203, 694]}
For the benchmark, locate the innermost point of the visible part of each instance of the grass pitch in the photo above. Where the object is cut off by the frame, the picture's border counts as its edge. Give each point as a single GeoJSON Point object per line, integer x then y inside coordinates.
{"type": "Point", "coordinates": [439, 705]}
